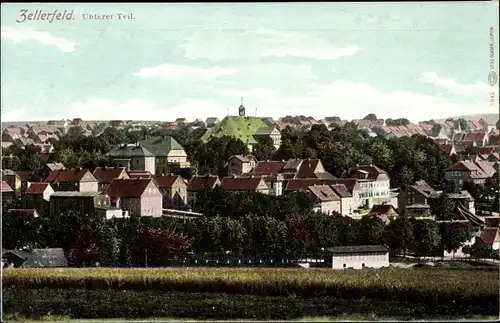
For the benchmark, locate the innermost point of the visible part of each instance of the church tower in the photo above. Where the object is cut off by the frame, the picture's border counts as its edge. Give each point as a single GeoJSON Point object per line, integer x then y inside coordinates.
{"type": "Point", "coordinates": [241, 109]}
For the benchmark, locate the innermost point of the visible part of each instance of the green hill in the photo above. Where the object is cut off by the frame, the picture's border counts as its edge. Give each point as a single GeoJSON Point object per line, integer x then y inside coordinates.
{"type": "Point", "coordinates": [242, 128]}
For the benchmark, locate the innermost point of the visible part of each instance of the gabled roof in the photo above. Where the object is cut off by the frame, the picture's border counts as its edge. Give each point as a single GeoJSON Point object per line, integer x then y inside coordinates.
{"type": "Point", "coordinates": [323, 193]}
{"type": "Point", "coordinates": [241, 183]}
{"type": "Point", "coordinates": [128, 187]}
{"type": "Point", "coordinates": [303, 184]}
{"type": "Point", "coordinates": [307, 168]}
{"type": "Point", "coordinates": [6, 188]}
{"type": "Point", "coordinates": [461, 213]}
{"type": "Point", "coordinates": [268, 167]}
{"type": "Point", "coordinates": [69, 175]}
{"type": "Point", "coordinates": [371, 171]}
{"type": "Point", "coordinates": [341, 190]}
{"type": "Point", "coordinates": [243, 159]}
{"type": "Point", "coordinates": [359, 249]}
{"type": "Point", "coordinates": [105, 175]}
{"type": "Point", "coordinates": [492, 221]}
{"type": "Point", "coordinates": [166, 181]}
{"type": "Point", "coordinates": [292, 165]}
{"type": "Point", "coordinates": [198, 183]}
{"type": "Point", "coordinates": [425, 189]}
{"type": "Point", "coordinates": [130, 150]}
{"type": "Point", "coordinates": [161, 145]}
{"type": "Point", "coordinates": [37, 188]}
{"type": "Point", "coordinates": [490, 235]}
{"type": "Point", "coordinates": [25, 175]}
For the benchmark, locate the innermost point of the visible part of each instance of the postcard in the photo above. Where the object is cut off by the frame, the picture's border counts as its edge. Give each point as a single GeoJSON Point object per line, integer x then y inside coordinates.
{"type": "Point", "coordinates": [250, 161]}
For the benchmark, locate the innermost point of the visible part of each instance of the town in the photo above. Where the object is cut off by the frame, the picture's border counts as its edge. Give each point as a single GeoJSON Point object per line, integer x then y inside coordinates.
{"type": "Point", "coordinates": [244, 188]}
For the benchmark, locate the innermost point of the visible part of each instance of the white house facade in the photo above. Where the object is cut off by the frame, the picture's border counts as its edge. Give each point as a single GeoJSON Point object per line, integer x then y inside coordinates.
{"type": "Point", "coordinates": [359, 257]}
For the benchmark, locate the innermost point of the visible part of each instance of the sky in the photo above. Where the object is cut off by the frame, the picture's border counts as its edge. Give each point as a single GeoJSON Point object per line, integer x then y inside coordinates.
{"type": "Point", "coordinates": [410, 60]}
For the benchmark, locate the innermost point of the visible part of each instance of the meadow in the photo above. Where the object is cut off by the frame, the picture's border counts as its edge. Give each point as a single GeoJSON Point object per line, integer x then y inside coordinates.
{"type": "Point", "coordinates": [256, 293]}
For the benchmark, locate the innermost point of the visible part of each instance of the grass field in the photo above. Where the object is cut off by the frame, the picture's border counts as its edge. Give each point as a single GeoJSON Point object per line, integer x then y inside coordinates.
{"type": "Point", "coordinates": [251, 293]}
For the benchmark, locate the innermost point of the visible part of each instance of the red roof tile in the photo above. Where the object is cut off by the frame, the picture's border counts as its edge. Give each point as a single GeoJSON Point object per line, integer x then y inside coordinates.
{"type": "Point", "coordinates": [307, 168]}
{"type": "Point", "coordinates": [25, 175]}
{"type": "Point", "coordinates": [474, 136]}
{"type": "Point", "coordinates": [36, 188]}
{"type": "Point", "coordinates": [105, 175]}
{"type": "Point", "coordinates": [268, 167]}
{"type": "Point", "coordinates": [128, 187]}
{"type": "Point", "coordinates": [166, 181]}
{"type": "Point", "coordinates": [324, 193]}
{"type": "Point", "coordinates": [241, 183]}
{"type": "Point", "coordinates": [490, 235]}
{"type": "Point", "coordinates": [70, 175]}
{"type": "Point", "coordinates": [53, 175]}
{"type": "Point", "coordinates": [302, 184]}
{"type": "Point", "coordinates": [198, 183]}
{"type": "Point", "coordinates": [492, 222]}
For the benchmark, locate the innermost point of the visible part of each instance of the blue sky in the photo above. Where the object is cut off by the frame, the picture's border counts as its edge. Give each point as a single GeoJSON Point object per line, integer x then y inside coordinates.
{"type": "Point", "coordinates": [413, 60]}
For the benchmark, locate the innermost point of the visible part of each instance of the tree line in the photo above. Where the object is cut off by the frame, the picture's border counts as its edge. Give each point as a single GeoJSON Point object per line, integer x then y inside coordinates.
{"type": "Point", "coordinates": [297, 233]}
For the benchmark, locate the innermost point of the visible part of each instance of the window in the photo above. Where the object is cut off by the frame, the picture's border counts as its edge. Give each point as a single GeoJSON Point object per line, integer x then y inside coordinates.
{"type": "Point", "coordinates": [363, 265]}
{"type": "Point", "coordinates": [137, 161]}
{"type": "Point", "coordinates": [344, 265]}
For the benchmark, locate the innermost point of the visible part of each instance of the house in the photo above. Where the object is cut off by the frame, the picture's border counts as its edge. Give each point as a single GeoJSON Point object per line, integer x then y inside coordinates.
{"type": "Point", "coordinates": [110, 212]}
{"type": "Point", "coordinates": [464, 199]}
{"type": "Point", "coordinates": [211, 122]}
{"type": "Point", "coordinates": [35, 258]}
{"type": "Point", "coordinates": [374, 184]}
{"type": "Point", "coordinates": [26, 177]}
{"type": "Point", "coordinates": [252, 184]}
{"type": "Point", "coordinates": [415, 201]}
{"type": "Point", "coordinates": [294, 168]}
{"type": "Point", "coordinates": [105, 175]}
{"type": "Point", "coordinates": [464, 171]}
{"type": "Point", "coordinates": [325, 199]}
{"type": "Point", "coordinates": [158, 155]}
{"type": "Point", "coordinates": [239, 164]}
{"type": "Point", "coordinates": [38, 197]}
{"type": "Point", "coordinates": [384, 212]}
{"type": "Point", "coordinates": [139, 174]}
{"type": "Point", "coordinates": [13, 180]}
{"type": "Point", "coordinates": [491, 238]}
{"type": "Point", "coordinates": [358, 257]}
{"type": "Point", "coordinates": [76, 179]}
{"type": "Point", "coordinates": [346, 200]}
{"type": "Point", "coordinates": [199, 183]}
{"type": "Point", "coordinates": [84, 203]}
{"type": "Point", "coordinates": [354, 188]}
{"type": "Point", "coordinates": [140, 196]}
{"type": "Point", "coordinates": [269, 132]}
{"type": "Point", "coordinates": [7, 192]}
{"type": "Point", "coordinates": [31, 212]}
{"type": "Point", "coordinates": [49, 167]}
{"type": "Point", "coordinates": [174, 190]}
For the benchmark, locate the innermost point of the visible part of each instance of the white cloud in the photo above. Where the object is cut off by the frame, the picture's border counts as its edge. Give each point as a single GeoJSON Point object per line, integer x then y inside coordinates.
{"type": "Point", "coordinates": [251, 75]}
{"type": "Point", "coordinates": [18, 35]}
{"type": "Point", "coordinates": [263, 43]}
{"type": "Point", "coordinates": [478, 89]}
{"type": "Point", "coordinates": [139, 109]}
{"type": "Point", "coordinates": [178, 72]}
{"type": "Point", "coordinates": [354, 100]}
{"type": "Point", "coordinates": [14, 115]}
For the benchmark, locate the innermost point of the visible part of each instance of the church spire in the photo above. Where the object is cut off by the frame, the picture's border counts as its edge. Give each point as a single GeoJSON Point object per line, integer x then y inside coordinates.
{"type": "Point", "coordinates": [241, 109]}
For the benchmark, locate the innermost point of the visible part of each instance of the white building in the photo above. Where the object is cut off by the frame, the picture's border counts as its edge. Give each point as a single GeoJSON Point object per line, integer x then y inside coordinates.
{"type": "Point", "coordinates": [374, 182]}
{"type": "Point", "coordinates": [358, 257]}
